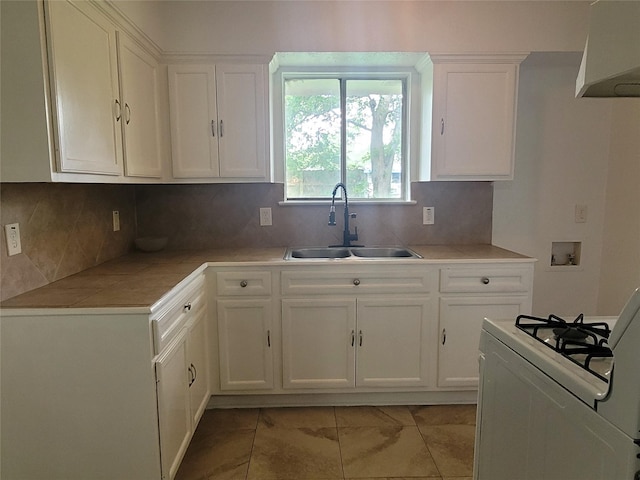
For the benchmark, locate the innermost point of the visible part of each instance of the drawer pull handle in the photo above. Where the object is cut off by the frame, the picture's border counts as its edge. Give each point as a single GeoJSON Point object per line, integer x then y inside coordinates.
{"type": "Point", "coordinates": [243, 283]}
{"type": "Point", "coordinates": [485, 280]}
{"type": "Point", "coordinates": [356, 281]}
{"type": "Point", "coordinates": [353, 337]}
{"type": "Point", "coordinates": [444, 336]}
{"type": "Point", "coordinates": [187, 307]}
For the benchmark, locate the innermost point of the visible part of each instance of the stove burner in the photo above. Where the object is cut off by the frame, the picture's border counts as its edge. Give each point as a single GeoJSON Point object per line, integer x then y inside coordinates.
{"type": "Point", "coordinates": [578, 341]}
{"type": "Point", "coordinates": [567, 333]}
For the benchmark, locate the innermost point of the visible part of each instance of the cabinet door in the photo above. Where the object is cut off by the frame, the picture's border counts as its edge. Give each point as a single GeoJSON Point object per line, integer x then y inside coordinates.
{"type": "Point", "coordinates": [318, 342]}
{"type": "Point", "coordinates": [460, 326]}
{"type": "Point", "coordinates": [198, 368]}
{"type": "Point", "coordinates": [174, 405]}
{"type": "Point", "coordinates": [193, 113]}
{"type": "Point", "coordinates": [139, 90]}
{"type": "Point", "coordinates": [393, 341]}
{"type": "Point", "coordinates": [242, 117]}
{"type": "Point", "coordinates": [474, 121]}
{"type": "Point", "coordinates": [83, 60]}
{"type": "Point", "coordinates": [244, 333]}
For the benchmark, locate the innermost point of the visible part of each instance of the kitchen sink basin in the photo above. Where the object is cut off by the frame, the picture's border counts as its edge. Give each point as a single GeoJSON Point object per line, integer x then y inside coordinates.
{"type": "Point", "coordinates": [384, 252]}
{"type": "Point", "coordinates": [317, 252]}
{"type": "Point", "coordinates": [302, 253]}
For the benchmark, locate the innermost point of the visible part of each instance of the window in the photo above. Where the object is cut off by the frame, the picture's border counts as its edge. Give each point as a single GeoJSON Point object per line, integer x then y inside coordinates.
{"type": "Point", "coordinates": [349, 128]}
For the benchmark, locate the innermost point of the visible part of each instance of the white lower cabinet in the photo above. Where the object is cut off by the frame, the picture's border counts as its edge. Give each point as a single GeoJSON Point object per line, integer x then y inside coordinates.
{"type": "Point", "coordinates": [199, 365]}
{"type": "Point", "coordinates": [182, 372]}
{"type": "Point", "coordinates": [393, 341]}
{"type": "Point", "coordinates": [244, 343]}
{"type": "Point", "coordinates": [244, 326]}
{"type": "Point", "coordinates": [182, 376]}
{"type": "Point", "coordinates": [105, 393]}
{"type": "Point", "coordinates": [174, 404]}
{"type": "Point", "coordinates": [460, 325]}
{"type": "Point", "coordinates": [468, 294]}
{"type": "Point", "coordinates": [318, 343]}
{"type": "Point", "coordinates": [356, 340]}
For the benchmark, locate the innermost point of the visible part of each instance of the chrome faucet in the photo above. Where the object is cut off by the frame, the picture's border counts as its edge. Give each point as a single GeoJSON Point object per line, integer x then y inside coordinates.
{"type": "Point", "coordinates": [347, 236]}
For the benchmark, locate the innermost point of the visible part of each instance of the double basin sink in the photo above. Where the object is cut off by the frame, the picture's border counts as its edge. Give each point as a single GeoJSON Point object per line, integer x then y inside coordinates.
{"type": "Point", "coordinates": [307, 253]}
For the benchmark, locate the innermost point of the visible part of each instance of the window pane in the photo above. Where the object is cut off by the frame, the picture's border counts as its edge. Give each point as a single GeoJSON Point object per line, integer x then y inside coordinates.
{"type": "Point", "coordinates": [312, 136]}
{"type": "Point", "coordinates": [374, 138]}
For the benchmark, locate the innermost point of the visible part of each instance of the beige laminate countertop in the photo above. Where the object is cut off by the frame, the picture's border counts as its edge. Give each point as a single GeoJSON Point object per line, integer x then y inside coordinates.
{"type": "Point", "coordinates": [141, 279]}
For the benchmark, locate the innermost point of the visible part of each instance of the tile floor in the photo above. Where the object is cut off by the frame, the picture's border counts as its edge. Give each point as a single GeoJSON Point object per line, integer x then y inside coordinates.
{"type": "Point", "coordinates": [312, 443]}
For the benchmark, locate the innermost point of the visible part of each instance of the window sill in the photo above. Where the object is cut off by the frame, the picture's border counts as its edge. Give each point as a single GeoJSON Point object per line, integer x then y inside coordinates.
{"type": "Point", "coordinates": [297, 203]}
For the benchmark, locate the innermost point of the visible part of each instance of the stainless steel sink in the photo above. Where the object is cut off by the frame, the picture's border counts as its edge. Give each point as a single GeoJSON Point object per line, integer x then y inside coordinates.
{"type": "Point", "coordinates": [317, 252]}
{"type": "Point", "coordinates": [384, 252]}
{"type": "Point", "coordinates": [302, 253]}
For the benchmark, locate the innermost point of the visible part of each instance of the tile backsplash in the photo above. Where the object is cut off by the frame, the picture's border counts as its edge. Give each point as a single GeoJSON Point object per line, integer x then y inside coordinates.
{"type": "Point", "coordinates": [227, 215]}
{"type": "Point", "coordinates": [64, 229]}
{"type": "Point", "coordinates": [67, 228]}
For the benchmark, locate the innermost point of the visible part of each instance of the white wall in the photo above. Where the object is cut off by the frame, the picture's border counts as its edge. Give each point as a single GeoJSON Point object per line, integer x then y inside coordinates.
{"type": "Point", "coordinates": [621, 245]}
{"type": "Point", "coordinates": [561, 160]}
{"type": "Point", "coordinates": [265, 27]}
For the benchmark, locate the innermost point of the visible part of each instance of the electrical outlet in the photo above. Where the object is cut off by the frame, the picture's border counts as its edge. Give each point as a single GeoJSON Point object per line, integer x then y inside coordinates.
{"type": "Point", "coordinates": [265, 217]}
{"type": "Point", "coordinates": [581, 214]}
{"type": "Point", "coordinates": [14, 246]}
{"type": "Point", "coordinates": [428, 215]}
{"type": "Point", "coordinates": [116, 220]}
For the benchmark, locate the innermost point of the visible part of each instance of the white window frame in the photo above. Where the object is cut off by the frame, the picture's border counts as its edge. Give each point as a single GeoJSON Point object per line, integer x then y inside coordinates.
{"type": "Point", "coordinates": [411, 134]}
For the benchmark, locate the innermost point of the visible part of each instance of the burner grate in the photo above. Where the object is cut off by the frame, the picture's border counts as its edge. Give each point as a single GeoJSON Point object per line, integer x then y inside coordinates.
{"type": "Point", "coordinates": [578, 341]}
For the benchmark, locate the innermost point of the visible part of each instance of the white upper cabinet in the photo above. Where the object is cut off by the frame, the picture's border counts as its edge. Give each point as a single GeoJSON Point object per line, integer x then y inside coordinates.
{"type": "Point", "coordinates": [194, 127]}
{"type": "Point", "coordinates": [139, 116]}
{"type": "Point", "coordinates": [85, 91]}
{"type": "Point", "coordinates": [93, 95]}
{"type": "Point", "coordinates": [474, 112]}
{"type": "Point", "coordinates": [219, 121]}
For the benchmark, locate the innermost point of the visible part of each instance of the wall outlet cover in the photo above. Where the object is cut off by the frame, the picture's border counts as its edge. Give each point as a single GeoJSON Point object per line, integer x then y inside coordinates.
{"type": "Point", "coordinates": [428, 215]}
{"type": "Point", "coordinates": [265, 217]}
{"type": "Point", "coordinates": [12, 232]}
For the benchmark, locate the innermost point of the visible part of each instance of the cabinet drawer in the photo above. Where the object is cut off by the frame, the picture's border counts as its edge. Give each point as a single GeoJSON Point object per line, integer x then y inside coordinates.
{"type": "Point", "coordinates": [170, 319]}
{"type": "Point", "coordinates": [311, 282]}
{"type": "Point", "coordinates": [481, 279]}
{"type": "Point", "coordinates": [243, 283]}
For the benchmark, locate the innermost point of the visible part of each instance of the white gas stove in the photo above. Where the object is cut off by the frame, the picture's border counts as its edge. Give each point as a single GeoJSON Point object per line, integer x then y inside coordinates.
{"type": "Point", "coordinates": [560, 399]}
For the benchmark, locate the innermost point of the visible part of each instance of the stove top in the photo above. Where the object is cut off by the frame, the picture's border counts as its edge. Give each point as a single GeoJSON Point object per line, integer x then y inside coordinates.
{"type": "Point", "coordinates": [584, 343]}
{"type": "Point", "coordinates": [589, 385]}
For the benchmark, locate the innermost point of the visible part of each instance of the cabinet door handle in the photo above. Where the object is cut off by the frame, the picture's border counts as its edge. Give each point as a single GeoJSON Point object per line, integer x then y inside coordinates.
{"type": "Point", "coordinates": [356, 281]}
{"type": "Point", "coordinates": [442, 126]}
{"type": "Point", "coordinates": [213, 128]}
{"type": "Point", "coordinates": [195, 373]}
{"type": "Point", "coordinates": [353, 337]}
{"type": "Point", "coordinates": [118, 110]}
{"type": "Point", "coordinates": [221, 129]}
{"type": "Point", "coordinates": [190, 375]}
{"type": "Point", "coordinates": [127, 111]}
{"type": "Point", "coordinates": [187, 307]}
{"type": "Point", "coordinates": [360, 338]}
{"type": "Point", "coordinates": [444, 336]}
{"type": "Point", "coordinates": [485, 280]}
{"type": "Point", "coordinates": [269, 338]}
{"type": "Point", "coordinates": [243, 283]}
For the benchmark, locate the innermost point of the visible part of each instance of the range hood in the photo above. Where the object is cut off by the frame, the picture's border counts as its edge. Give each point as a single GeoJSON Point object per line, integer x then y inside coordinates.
{"type": "Point", "coordinates": [611, 61]}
